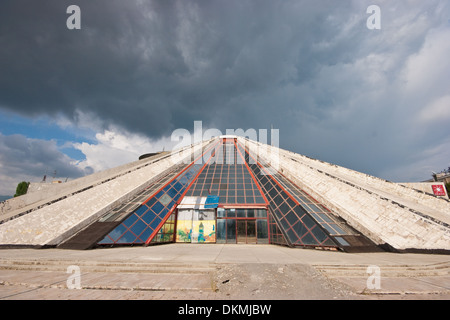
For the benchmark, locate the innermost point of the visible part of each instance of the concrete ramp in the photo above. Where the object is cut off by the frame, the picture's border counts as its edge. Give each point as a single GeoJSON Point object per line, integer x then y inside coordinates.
{"type": "Point", "coordinates": [391, 215]}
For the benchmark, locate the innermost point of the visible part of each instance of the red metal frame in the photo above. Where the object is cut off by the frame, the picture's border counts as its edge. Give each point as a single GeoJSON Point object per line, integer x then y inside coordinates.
{"type": "Point", "coordinates": [150, 238]}
{"type": "Point", "coordinates": [293, 199]}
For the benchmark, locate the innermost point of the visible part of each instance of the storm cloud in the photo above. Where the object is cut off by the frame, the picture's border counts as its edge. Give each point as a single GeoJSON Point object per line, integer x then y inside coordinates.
{"type": "Point", "coordinates": [365, 99]}
{"type": "Point", "coordinates": [25, 159]}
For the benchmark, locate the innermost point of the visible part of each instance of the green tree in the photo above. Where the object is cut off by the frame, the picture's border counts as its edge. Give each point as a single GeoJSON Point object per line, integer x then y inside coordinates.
{"type": "Point", "coordinates": [447, 186]}
{"type": "Point", "coordinates": [22, 188]}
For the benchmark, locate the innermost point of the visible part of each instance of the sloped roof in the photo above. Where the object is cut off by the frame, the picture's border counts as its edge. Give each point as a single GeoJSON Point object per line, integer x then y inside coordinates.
{"type": "Point", "coordinates": [311, 202]}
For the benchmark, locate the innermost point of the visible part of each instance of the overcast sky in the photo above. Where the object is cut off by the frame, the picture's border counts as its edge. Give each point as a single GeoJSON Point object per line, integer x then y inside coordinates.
{"type": "Point", "coordinates": [79, 101]}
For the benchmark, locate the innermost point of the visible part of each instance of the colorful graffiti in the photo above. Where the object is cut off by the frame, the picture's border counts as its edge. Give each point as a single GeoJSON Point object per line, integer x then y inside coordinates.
{"type": "Point", "coordinates": [195, 230]}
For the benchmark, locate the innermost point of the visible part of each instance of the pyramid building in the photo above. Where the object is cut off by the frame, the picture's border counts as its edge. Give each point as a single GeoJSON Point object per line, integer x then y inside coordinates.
{"type": "Point", "coordinates": [228, 190]}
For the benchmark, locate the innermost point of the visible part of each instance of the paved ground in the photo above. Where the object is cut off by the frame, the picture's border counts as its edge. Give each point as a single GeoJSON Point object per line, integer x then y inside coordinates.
{"type": "Point", "coordinates": [212, 272]}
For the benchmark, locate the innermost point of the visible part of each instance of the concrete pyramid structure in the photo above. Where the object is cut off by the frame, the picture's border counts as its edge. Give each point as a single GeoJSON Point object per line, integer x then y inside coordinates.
{"type": "Point", "coordinates": [228, 189]}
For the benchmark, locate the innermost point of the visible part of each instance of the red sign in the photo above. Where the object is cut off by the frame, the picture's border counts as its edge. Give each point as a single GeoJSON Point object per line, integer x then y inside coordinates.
{"type": "Point", "coordinates": [438, 190]}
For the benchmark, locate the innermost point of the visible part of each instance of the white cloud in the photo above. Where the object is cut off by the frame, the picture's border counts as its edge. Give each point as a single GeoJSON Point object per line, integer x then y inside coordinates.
{"type": "Point", "coordinates": [437, 112]}
{"type": "Point", "coordinates": [428, 71]}
{"type": "Point", "coordinates": [116, 146]}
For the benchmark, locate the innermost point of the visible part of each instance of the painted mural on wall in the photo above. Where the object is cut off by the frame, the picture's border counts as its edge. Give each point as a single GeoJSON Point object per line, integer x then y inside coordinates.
{"type": "Point", "coordinates": [196, 226]}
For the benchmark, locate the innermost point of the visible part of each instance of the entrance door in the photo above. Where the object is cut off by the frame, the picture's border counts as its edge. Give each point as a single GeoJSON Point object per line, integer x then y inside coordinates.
{"type": "Point", "coordinates": [241, 235]}
{"type": "Point", "coordinates": [251, 231]}
{"type": "Point", "coordinates": [246, 231]}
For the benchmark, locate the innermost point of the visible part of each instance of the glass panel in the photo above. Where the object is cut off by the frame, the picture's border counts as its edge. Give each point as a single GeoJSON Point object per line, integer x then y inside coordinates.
{"type": "Point", "coordinates": [106, 240]}
{"type": "Point", "coordinates": [299, 229]}
{"type": "Point", "coordinates": [163, 213]}
{"type": "Point", "coordinates": [130, 220]}
{"type": "Point", "coordinates": [127, 238]}
{"type": "Point", "coordinates": [141, 210]}
{"type": "Point", "coordinates": [291, 217]}
{"type": "Point", "coordinates": [325, 217]}
{"type": "Point", "coordinates": [308, 239]}
{"type": "Point", "coordinates": [329, 242]}
{"type": "Point", "coordinates": [338, 229]}
{"type": "Point", "coordinates": [220, 212]}
{"type": "Point", "coordinates": [231, 213]}
{"type": "Point", "coordinates": [299, 211]}
{"type": "Point", "coordinates": [291, 202]}
{"type": "Point", "coordinates": [315, 208]}
{"type": "Point", "coordinates": [292, 236]}
{"type": "Point", "coordinates": [319, 234]}
{"type": "Point", "coordinates": [148, 217]}
{"type": "Point", "coordinates": [259, 199]}
{"type": "Point", "coordinates": [284, 208]}
{"type": "Point", "coordinates": [317, 217]}
{"type": "Point", "coordinates": [144, 235]}
{"type": "Point", "coordinates": [251, 231]}
{"type": "Point", "coordinates": [155, 223]}
{"type": "Point", "coordinates": [342, 241]}
{"type": "Point", "coordinates": [241, 231]}
{"type": "Point", "coordinates": [261, 213]}
{"type": "Point", "coordinates": [117, 232]}
{"type": "Point", "coordinates": [262, 234]}
{"type": "Point", "coordinates": [231, 231]}
{"type": "Point", "coordinates": [285, 224]}
{"type": "Point", "coordinates": [240, 213]}
{"type": "Point", "coordinates": [138, 227]}
{"type": "Point", "coordinates": [165, 199]}
{"type": "Point", "coordinates": [157, 207]}
{"type": "Point", "coordinates": [273, 193]}
{"type": "Point", "coordinates": [221, 231]}
{"type": "Point", "coordinates": [329, 228]}
{"type": "Point", "coordinates": [308, 222]}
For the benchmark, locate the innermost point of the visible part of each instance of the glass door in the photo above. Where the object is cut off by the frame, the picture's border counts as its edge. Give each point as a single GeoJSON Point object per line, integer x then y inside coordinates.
{"type": "Point", "coordinates": [246, 231]}
{"type": "Point", "coordinates": [241, 234]}
{"type": "Point", "coordinates": [251, 231]}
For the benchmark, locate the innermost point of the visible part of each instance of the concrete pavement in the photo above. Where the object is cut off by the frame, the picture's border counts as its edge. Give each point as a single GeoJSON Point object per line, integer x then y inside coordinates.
{"type": "Point", "coordinates": [195, 271]}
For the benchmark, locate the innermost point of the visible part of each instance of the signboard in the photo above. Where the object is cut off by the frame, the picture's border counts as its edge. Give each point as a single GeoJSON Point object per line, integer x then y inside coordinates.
{"type": "Point", "coordinates": [438, 190]}
{"type": "Point", "coordinates": [211, 202]}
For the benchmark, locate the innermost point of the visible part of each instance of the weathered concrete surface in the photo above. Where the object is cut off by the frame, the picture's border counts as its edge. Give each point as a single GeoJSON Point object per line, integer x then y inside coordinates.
{"type": "Point", "coordinates": [427, 187]}
{"type": "Point", "coordinates": [196, 271]}
{"type": "Point", "coordinates": [383, 211]}
{"type": "Point", "coordinates": [41, 193]}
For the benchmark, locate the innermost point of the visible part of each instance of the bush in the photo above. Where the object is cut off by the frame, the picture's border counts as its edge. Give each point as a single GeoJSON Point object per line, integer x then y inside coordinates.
{"type": "Point", "coordinates": [22, 188]}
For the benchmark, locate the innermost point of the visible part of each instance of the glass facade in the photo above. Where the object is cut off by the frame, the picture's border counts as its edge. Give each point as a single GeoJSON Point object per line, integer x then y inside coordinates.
{"type": "Point", "coordinates": [289, 218]}
{"type": "Point", "coordinates": [242, 226]}
{"type": "Point", "coordinates": [227, 176]}
{"type": "Point", "coordinates": [254, 206]}
{"type": "Point", "coordinates": [146, 221]}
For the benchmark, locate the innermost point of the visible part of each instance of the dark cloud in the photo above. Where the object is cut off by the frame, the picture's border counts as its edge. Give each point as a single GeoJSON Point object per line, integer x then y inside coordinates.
{"type": "Point", "coordinates": [153, 66]}
{"type": "Point", "coordinates": [22, 158]}
{"type": "Point", "coordinates": [310, 68]}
